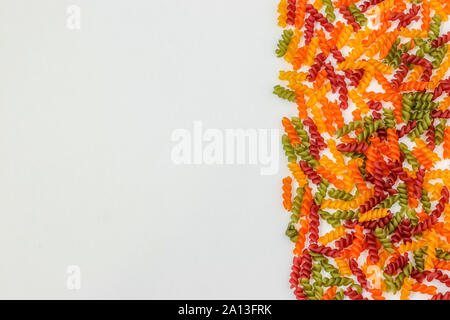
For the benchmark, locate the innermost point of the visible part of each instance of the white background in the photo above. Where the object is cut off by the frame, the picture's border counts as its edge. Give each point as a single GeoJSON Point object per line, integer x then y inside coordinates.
{"type": "Point", "coordinates": [85, 172]}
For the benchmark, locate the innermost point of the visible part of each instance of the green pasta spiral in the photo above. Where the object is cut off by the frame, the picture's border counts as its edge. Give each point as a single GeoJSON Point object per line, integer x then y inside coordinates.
{"type": "Point", "coordinates": [403, 195]}
{"type": "Point", "coordinates": [411, 214]}
{"type": "Point", "coordinates": [419, 260]}
{"type": "Point", "coordinates": [346, 214]}
{"type": "Point", "coordinates": [301, 132]}
{"type": "Point", "coordinates": [441, 254]}
{"type": "Point", "coordinates": [284, 42]}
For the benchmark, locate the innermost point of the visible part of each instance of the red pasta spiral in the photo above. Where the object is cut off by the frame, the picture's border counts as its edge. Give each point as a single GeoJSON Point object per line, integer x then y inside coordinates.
{"type": "Point", "coordinates": [378, 177]}
{"type": "Point", "coordinates": [440, 114]}
{"type": "Point", "coordinates": [403, 232]}
{"type": "Point", "coordinates": [332, 76]}
{"type": "Point", "coordinates": [431, 144]}
{"type": "Point", "coordinates": [438, 275]}
{"type": "Point", "coordinates": [441, 296]}
{"type": "Point", "coordinates": [409, 58]}
{"type": "Point", "coordinates": [349, 18]}
{"type": "Point", "coordinates": [354, 76]}
{"type": "Point", "coordinates": [405, 19]}
{"type": "Point", "coordinates": [309, 28]}
{"type": "Point", "coordinates": [305, 271]}
{"type": "Point", "coordinates": [398, 170]}
{"type": "Point", "coordinates": [314, 132]}
{"type": "Point", "coordinates": [443, 86]}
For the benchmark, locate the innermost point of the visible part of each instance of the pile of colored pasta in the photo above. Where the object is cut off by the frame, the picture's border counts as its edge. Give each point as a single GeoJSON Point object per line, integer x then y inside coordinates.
{"type": "Point", "coordinates": [368, 190]}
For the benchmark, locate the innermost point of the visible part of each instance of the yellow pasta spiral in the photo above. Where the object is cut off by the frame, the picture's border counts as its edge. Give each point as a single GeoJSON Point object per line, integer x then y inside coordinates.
{"type": "Point", "coordinates": [311, 51]}
{"type": "Point", "coordinates": [406, 289]}
{"type": "Point", "coordinates": [431, 250]}
{"type": "Point", "coordinates": [293, 45]}
{"type": "Point", "coordinates": [411, 246]}
{"type": "Point", "coordinates": [359, 101]}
